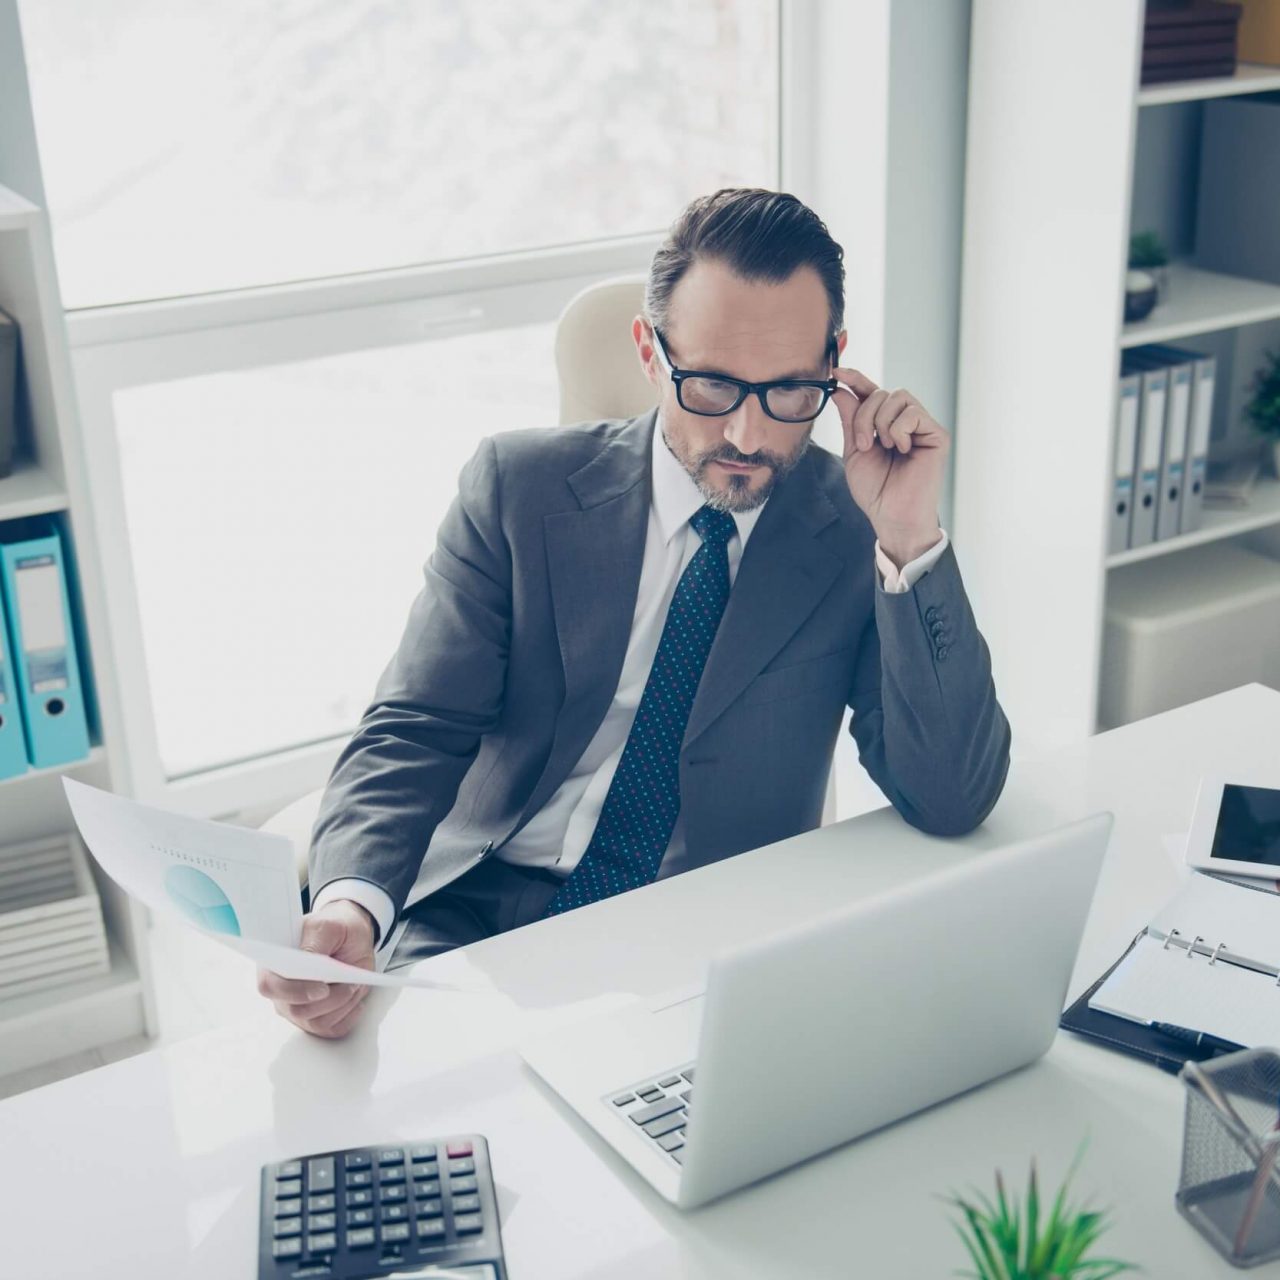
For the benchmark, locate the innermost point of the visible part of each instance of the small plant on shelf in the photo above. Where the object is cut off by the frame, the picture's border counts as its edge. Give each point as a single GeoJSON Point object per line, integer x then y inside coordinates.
{"type": "Point", "coordinates": [1147, 251]}
{"type": "Point", "coordinates": [1146, 278]}
{"type": "Point", "coordinates": [1263, 410]}
{"type": "Point", "coordinates": [1007, 1241]}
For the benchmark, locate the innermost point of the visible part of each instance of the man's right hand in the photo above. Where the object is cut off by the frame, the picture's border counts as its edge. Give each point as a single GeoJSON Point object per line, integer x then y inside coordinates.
{"type": "Point", "coordinates": [341, 929]}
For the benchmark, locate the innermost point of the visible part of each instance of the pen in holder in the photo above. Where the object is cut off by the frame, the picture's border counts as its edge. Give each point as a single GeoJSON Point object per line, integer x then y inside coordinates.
{"type": "Point", "coordinates": [1230, 1183]}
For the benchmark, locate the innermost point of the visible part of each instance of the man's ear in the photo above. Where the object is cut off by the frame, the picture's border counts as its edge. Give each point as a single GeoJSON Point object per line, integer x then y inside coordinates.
{"type": "Point", "coordinates": [841, 342]}
{"type": "Point", "coordinates": [642, 334]}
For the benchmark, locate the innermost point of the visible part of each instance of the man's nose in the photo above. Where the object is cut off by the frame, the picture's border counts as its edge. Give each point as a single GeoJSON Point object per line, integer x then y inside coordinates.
{"type": "Point", "coordinates": [747, 427]}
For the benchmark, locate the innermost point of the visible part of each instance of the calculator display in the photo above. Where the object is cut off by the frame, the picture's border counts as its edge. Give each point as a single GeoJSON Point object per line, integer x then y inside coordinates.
{"type": "Point", "coordinates": [1248, 827]}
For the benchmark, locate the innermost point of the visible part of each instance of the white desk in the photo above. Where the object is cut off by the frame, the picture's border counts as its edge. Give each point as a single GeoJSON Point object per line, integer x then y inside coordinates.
{"type": "Point", "coordinates": [149, 1167]}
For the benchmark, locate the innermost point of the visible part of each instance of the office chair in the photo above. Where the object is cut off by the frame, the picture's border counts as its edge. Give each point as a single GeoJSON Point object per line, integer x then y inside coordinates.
{"type": "Point", "coordinates": [599, 377]}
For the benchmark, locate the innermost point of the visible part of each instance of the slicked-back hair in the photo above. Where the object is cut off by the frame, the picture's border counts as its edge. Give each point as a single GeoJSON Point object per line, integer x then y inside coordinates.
{"type": "Point", "coordinates": [759, 235]}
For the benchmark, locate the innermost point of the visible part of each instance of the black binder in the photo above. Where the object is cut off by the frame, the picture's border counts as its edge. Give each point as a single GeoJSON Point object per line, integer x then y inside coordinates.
{"type": "Point", "coordinates": [1133, 1038]}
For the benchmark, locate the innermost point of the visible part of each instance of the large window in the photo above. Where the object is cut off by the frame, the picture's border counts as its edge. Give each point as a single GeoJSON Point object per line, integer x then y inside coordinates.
{"type": "Point", "coordinates": [191, 147]}
{"type": "Point", "coordinates": [311, 252]}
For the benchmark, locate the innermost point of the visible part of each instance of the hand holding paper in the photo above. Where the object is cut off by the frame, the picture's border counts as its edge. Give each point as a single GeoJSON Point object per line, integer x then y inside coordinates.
{"type": "Point", "coordinates": [236, 885]}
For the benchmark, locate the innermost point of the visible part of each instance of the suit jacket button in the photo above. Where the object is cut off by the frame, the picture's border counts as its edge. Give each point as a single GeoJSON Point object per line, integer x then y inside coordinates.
{"type": "Point", "coordinates": [931, 614]}
{"type": "Point", "coordinates": [943, 650]}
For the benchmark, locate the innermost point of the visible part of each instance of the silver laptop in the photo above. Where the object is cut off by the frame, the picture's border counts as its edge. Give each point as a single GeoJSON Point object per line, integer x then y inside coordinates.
{"type": "Point", "coordinates": [886, 1007]}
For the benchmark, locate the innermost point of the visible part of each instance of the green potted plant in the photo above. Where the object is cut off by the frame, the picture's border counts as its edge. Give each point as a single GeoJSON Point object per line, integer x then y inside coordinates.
{"type": "Point", "coordinates": [1147, 277]}
{"type": "Point", "coordinates": [1007, 1241]}
{"type": "Point", "coordinates": [1263, 411]}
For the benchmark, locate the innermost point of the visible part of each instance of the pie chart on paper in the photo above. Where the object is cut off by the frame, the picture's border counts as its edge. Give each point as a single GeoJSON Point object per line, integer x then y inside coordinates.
{"type": "Point", "coordinates": [201, 900]}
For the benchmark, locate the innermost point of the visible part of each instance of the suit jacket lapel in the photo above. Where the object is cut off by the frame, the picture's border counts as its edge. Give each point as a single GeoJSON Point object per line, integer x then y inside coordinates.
{"type": "Point", "coordinates": [783, 574]}
{"type": "Point", "coordinates": [594, 558]}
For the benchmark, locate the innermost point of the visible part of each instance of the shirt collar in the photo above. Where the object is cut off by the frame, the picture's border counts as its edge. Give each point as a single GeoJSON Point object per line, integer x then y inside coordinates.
{"type": "Point", "coordinates": [676, 497]}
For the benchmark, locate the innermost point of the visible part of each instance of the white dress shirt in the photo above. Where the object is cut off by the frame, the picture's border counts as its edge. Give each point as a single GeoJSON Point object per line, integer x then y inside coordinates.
{"type": "Point", "coordinates": [557, 835]}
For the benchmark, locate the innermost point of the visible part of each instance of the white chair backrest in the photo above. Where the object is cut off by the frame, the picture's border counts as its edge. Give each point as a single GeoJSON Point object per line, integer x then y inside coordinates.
{"type": "Point", "coordinates": [599, 372]}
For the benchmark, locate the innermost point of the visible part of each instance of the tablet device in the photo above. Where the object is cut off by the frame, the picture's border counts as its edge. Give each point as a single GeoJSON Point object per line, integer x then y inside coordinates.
{"type": "Point", "coordinates": [1236, 827]}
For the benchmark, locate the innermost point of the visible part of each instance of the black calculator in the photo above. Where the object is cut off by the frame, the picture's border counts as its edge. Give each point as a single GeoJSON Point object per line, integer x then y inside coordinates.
{"type": "Point", "coordinates": [375, 1211]}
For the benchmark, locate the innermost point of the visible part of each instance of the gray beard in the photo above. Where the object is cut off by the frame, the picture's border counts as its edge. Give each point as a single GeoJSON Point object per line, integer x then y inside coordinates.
{"type": "Point", "coordinates": [738, 497]}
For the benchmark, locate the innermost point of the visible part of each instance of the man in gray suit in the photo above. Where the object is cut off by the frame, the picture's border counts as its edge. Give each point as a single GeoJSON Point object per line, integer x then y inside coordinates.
{"type": "Point", "coordinates": [636, 639]}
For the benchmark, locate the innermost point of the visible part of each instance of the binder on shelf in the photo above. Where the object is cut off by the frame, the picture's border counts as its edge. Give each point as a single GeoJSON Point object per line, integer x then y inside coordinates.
{"type": "Point", "coordinates": [1151, 415]}
{"type": "Point", "coordinates": [1203, 373]}
{"type": "Point", "coordinates": [13, 751]}
{"type": "Point", "coordinates": [1126, 445]}
{"type": "Point", "coordinates": [1176, 422]}
{"type": "Point", "coordinates": [42, 643]}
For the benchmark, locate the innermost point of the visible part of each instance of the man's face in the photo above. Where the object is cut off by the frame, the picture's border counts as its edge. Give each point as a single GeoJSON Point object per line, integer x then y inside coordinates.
{"type": "Point", "coordinates": [752, 330]}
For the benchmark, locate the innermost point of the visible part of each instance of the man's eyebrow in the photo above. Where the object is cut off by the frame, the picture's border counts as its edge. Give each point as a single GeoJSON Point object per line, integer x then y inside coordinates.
{"type": "Point", "coordinates": [810, 374]}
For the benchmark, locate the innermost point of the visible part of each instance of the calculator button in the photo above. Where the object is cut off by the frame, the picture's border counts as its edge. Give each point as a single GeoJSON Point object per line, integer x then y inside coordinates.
{"type": "Point", "coordinates": [670, 1082]}
{"type": "Point", "coordinates": [392, 1155]}
{"type": "Point", "coordinates": [466, 1204]}
{"type": "Point", "coordinates": [468, 1225]}
{"type": "Point", "coordinates": [361, 1238]}
{"type": "Point", "coordinates": [322, 1222]}
{"type": "Point", "coordinates": [324, 1243]}
{"type": "Point", "coordinates": [391, 1175]}
{"type": "Point", "coordinates": [672, 1141]}
{"type": "Point", "coordinates": [425, 1152]}
{"type": "Point", "coordinates": [395, 1231]}
{"type": "Point", "coordinates": [288, 1208]}
{"type": "Point", "coordinates": [396, 1192]}
{"type": "Point", "coordinates": [357, 1160]}
{"type": "Point", "coordinates": [395, 1212]}
{"type": "Point", "coordinates": [427, 1187]}
{"type": "Point", "coordinates": [286, 1190]}
{"type": "Point", "coordinates": [430, 1228]}
{"type": "Point", "coordinates": [459, 1149]}
{"type": "Point", "coordinates": [460, 1186]}
{"type": "Point", "coordinates": [290, 1169]}
{"type": "Point", "coordinates": [288, 1227]}
{"type": "Point", "coordinates": [461, 1166]}
{"type": "Point", "coordinates": [688, 1075]}
{"type": "Point", "coordinates": [360, 1178]}
{"type": "Point", "coordinates": [286, 1248]}
{"type": "Point", "coordinates": [320, 1174]}
{"type": "Point", "coordinates": [623, 1098]}
{"type": "Point", "coordinates": [355, 1198]}
{"type": "Point", "coordinates": [359, 1217]}
{"type": "Point", "coordinates": [430, 1208]}
{"type": "Point", "coordinates": [321, 1204]}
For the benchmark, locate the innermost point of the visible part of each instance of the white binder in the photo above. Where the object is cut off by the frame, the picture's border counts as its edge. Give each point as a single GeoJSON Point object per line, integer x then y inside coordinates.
{"type": "Point", "coordinates": [1126, 445]}
{"type": "Point", "coordinates": [1173, 457]}
{"type": "Point", "coordinates": [1198, 442]}
{"type": "Point", "coordinates": [1151, 415]}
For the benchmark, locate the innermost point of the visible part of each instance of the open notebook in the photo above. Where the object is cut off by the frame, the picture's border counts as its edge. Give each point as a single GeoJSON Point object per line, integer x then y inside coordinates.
{"type": "Point", "coordinates": [1209, 961]}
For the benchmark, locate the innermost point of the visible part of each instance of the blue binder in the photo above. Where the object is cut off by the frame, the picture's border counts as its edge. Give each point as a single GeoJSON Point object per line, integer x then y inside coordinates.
{"type": "Point", "coordinates": [42, 644]}
{"type": "Point", "coordinates": [13, 751]}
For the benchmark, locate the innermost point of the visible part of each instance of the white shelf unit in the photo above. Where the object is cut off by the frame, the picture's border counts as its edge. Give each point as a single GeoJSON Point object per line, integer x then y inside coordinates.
{"type": "Point", "coordinates": [1066, 155]}
{"type": "Point", "coordinates": [49, 480]}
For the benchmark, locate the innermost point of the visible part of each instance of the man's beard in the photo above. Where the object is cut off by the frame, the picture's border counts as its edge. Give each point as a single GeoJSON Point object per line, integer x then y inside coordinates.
{"type": "Point", "coordinates": [739, 496]}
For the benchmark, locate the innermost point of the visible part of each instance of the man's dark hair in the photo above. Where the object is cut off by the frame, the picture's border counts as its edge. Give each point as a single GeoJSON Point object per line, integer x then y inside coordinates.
{"type": "Point", "coordinates": [758, 234]}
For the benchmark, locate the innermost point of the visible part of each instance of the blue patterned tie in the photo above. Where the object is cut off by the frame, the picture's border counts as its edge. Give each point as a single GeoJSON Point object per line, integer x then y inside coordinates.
{"type": "Point", "coordinates": [639, 813]}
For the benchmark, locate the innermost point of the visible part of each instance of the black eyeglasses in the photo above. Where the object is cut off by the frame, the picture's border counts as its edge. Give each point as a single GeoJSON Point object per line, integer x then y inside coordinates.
{"type": "Point", "coordinates": [794, 400]}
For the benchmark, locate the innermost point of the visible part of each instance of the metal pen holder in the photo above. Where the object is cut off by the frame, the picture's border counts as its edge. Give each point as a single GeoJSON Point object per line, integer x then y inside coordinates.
{"type": "Point", "coordinates": [1230, 1183]}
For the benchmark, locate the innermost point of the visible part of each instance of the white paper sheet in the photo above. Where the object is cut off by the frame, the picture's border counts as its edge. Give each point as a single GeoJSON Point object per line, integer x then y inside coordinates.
{"type": "Point", "coordinates": [235, 885]}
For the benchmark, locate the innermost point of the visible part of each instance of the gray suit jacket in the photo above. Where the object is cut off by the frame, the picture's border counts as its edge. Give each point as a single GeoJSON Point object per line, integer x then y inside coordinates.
{"type": "Point", "coordinates": [513, 648]}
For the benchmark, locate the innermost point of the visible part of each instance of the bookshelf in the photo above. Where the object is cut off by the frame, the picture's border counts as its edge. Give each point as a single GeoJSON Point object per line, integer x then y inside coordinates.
{"type": "Point", "coordinates": [49, 479]}
{"type": "Point", "coordinates": [1066, 154]}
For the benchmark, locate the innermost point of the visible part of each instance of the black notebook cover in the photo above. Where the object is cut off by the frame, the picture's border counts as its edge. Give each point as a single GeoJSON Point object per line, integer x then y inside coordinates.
{"type": "Point", "coordinates": [1129, 1037]}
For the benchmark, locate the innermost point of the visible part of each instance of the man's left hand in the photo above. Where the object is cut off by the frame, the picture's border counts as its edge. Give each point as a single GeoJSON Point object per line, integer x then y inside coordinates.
{"type": "Point", "coordinates": [894, 458]}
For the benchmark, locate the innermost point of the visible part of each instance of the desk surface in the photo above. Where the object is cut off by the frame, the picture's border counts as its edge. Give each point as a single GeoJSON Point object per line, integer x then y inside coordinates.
{"type": "Point", "coordinates": [149, 1167]}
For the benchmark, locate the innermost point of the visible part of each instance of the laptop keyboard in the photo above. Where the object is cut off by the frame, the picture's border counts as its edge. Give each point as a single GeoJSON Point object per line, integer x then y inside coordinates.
{"type": "Point", "coordinates": [658, 1107]}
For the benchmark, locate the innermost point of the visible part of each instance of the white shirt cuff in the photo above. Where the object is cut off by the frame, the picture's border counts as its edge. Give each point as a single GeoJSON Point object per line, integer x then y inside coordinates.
{"type": "Point", "coordinates": [899, 580]}
{"type": "Point", "coordinates": [377, 902]}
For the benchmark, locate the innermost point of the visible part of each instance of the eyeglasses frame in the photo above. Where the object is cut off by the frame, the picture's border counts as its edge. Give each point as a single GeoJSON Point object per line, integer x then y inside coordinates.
{"type": "Point", "coordinates": [759, 389]}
